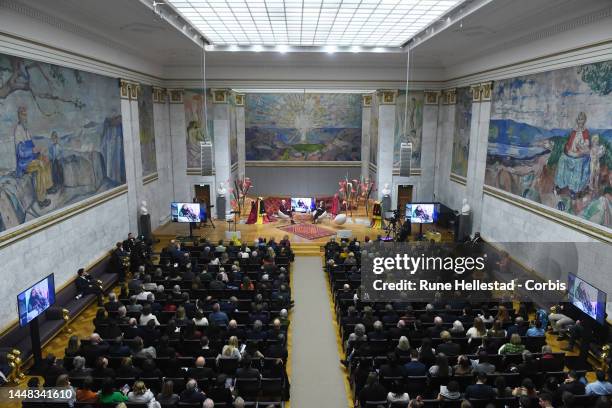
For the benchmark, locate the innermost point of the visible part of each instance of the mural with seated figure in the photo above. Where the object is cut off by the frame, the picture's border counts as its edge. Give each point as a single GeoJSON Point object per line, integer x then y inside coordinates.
{"type": "Point", "coordinates": [303, 126]}
{"type": "Point", "coordinates": [61, 139]}
{"type": "Point", "coordinates": [148, 156]}
{"type": "Point", "coordinates": [550, 140]}
{"type": "Point", "coordinates": [194, 120]}
{"type": "Point", "coordinates": [461, 133]}
{"type": "Point", "coordinates": [409, 125]}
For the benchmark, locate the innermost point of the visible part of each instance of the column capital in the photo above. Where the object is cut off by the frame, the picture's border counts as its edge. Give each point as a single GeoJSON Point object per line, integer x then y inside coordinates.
{"type": "Point", "coordinates": [220, 95]}
{"type": "Point", "coordinates": [159, 95]}
{"type": "Point", "coordinates": [128, 89]}
{"type": "Point", "coordinates": [176, 95]}
{"type": "Point", "coordinates": [239, 99]}
{"type": "Point", "coordinates": [366, 100]}
{"type": "Point", "coordinates": [432, 97]}
{"type": "Point", "coordinates": [386, 96]}
{"type": "Point", "coordinates": [485, 91]}
{"type": "Point", "coordinates": [475, 92]}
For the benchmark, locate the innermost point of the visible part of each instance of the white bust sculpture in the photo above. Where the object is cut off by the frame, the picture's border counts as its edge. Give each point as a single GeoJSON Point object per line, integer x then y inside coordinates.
{"type": "Point", "coordinates": [221, 190]}
{"type": "Point", "coordinates": [143, 208]}
{"type": "Point", "coordinates": [386, 190]}
{"type": "Point", "coordinates": [465, 207]}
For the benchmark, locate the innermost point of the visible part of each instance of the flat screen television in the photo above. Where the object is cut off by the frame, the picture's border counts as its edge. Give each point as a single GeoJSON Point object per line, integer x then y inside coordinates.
{"type": "Point", "coordinates": [421, 213]}
{"type": "Point", "coordinates": [587, 298]}
{"type": "Point", "coordinates": [187, 212]}
{"type": "Point", "coordinates": [301, 204]}
{"type": "Point", "coordinates": [36, 299]}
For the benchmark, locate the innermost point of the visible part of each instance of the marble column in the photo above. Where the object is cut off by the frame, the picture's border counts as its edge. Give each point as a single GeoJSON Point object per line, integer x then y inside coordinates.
{"type": "Point", "coordinates": [428, 145]}
{"type": "Point", "coordinates": [366, 114]}
{"type": "Point", "coordinates": [479, 136]}
{"type": "Point", "coordinates": [163, 153]}
{"type": "Point", "coordinates": [131, 147]}
{"type": "Point", "coordinates": [221, 145]}
{"type": "Point", "coordinates": [178, 143]}
{"type": "Point", "coordinates": [386, 135]}
{"type": "Point", "coordinates": [240, 133]}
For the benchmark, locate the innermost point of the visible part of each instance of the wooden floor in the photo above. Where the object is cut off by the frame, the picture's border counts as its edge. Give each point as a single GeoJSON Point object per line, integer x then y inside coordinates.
{"type": "Point", "coordinates": [358, 224]}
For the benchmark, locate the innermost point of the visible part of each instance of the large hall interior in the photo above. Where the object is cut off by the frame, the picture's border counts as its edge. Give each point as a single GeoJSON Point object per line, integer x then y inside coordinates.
{"type": "Point", "coordinates": [305, 203]}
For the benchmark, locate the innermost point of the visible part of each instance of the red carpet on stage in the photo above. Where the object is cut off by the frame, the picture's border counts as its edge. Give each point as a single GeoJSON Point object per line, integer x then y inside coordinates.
{"type": "Point", "coordinates": [308, 231]}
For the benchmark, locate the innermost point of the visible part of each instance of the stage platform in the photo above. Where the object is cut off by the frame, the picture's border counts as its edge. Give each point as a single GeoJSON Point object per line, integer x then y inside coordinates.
{"type": "Point", "coordinates": [357, 226]}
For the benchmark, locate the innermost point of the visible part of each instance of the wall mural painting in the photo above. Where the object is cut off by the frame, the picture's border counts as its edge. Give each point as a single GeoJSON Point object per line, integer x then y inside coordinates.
{"type": "Point", "coordinates": [194, 119]}
{"type": "Point", "coordinates": [550, 140]}
{"type": "Point", "coordinates": [61, 139]}
{"type": "Point", "coordinates": [303, 126]}
{"type": "Point", "coordinates": [461, 134]}
{"type": "Point", "coordinates": [413, 132]}
{"type": "Point", "coordinates": [147, 130]}
{"type": "Point", "coordinates": [374, 131]}
{"type": "Point", "coordinates": [233, 135]}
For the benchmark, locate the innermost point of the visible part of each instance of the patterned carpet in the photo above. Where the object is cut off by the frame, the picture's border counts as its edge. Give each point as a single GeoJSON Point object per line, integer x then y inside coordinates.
{"type": "Point", "coordinates": [308, 231]}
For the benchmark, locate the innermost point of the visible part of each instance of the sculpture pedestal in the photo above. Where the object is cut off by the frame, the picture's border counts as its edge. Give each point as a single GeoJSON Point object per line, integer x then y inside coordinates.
{"type": "Point", "coordinates": [221, 215]}
{"type": "Point", "coordinates": [144, 225]}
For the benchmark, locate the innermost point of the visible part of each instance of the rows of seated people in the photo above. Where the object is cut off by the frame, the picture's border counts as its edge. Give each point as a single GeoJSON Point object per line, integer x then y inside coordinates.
{"type": "Point", "coordinates": [449, 352]}
{"type": "Point", "coordinates": [206, 326]}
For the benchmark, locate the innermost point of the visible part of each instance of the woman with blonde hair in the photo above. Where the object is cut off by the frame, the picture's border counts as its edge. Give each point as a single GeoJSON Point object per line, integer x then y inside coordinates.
{"type": "Point", "coordinates": [403, 347]}
{"type": "Point", "coordinates": [477, 330]}
{"type": "Point", "coordinates": [230, 350]}
{"type": "Point", "coordinates": [141, 394]}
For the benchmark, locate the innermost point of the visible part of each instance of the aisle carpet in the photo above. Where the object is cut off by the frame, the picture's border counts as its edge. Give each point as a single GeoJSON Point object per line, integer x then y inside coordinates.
{"type": "Point", "coordinates": [308, 231]}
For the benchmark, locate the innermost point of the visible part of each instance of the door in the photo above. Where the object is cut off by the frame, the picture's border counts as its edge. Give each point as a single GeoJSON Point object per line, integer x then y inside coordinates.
{"type": "Point", "coordinates": [404, 196]}
{"type": "Point", "coordinates": [202, 194]}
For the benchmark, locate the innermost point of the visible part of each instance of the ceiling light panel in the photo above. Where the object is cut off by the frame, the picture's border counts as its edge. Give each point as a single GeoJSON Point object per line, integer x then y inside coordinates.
{"type": "Point", "coordinates": [380, 23]}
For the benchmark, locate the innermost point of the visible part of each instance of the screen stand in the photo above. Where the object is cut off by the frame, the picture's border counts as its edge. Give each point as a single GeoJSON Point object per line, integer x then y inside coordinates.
{"type": "Point", "coordinates": [36, 349]}
{"type": "Point", "coordinates": [191, 230]}
{"type": "Point", "coordinates": [420, 237]}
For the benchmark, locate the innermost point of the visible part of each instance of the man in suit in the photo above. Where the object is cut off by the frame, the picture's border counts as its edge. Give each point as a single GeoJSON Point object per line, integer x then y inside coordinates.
{"type": "Point", "coordinates": [437, 328]}
{"type": "Point", "coordinates": [287, 210]}
{"type": "Point", "coordinates": [94, 349]}
{"type": "Point", "coordinates": [447, 347]}
{"type": "Point", "coordinates": [86, 285]}
{"type": "Point", "coordinates": [102, 370]}
{"type": "Point", "coordinates": [572, 384]}
{"type": "Point", "coordinates": [130, 243]}
{"type": "Point", "coordinates": [247, 370]}
{"type": "Point", "coordinates": [52, 371]}
{"type": "Point", "coordinates": [480, 390]}
{"type": "Point", "coordinates": [113, 304]}
{"type": "Point", "coordinates": [118, 349]}
{"type": "Point", "coordinates": [192, 393]}
{"type": "Point", "coordinates": [414, 367]}
{"type": "Point", "coordinates": [200, 371]}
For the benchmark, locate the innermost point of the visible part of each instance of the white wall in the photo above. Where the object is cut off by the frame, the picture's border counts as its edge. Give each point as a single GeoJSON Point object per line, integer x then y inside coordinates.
{"type": "Point", "coordinates": [60, 249]}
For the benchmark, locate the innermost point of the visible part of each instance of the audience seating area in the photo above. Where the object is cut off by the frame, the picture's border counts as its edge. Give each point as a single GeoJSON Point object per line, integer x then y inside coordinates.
{"type": "Point", "coordinates": [379, 339]}
{"type": "Point", "coordinates": [226, 304]}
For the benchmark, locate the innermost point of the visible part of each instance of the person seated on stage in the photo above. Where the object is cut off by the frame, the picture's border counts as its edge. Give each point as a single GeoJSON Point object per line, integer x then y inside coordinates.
{"type": "Point", "coordinates": [287, 210]}
{"type": "Point", "coordinates": [318, 212]}
{"type": "Point", "coordinates": [87, 285]}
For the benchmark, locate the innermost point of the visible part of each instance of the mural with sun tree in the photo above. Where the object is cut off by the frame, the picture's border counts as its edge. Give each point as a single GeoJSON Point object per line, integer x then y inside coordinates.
{"type": "Point", "coordinates": [303, 126]}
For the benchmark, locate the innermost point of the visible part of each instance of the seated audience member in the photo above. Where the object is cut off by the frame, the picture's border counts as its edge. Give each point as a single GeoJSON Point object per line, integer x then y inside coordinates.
{"type": "Point", "coordinates": [600, 386]}
{"type": "Point", "coordinates": [391, 368]}
{"type": "Point", "coordinates": [518, 327]}
{"type": "Point", "coordinates": [142, 395]}
{"type": "Point", "coordinates": [414, 367]}
{"type": "Point", "coordinates": [477, 330]}
{"type": "Point", "coordinates": [441, 368]}
{"type": "Point", "coordinates": [529, 366]}
{"type": "Point", "coordinates": [86, 285]}
{"type": "Point", "coordinates": [482, 365]}
{"type": "Point", "coordinates": [437, 328]}
{"type": "Point", "coordinates": [403, 347]}
{"type": "Point", "coordinates": [230, 350]}
{"type": "Point", "coordinates": [119, 349]}
{"type": "Point", "coordinates": [247, 370]}
{"type": "Point", "coordinates": [200, 371]}
{"type": "Point", "coordinates": [427, 355]}
{"type": "Point", "coordinates": [74, 347]}
{"type": "Point", "coordinates": [134, 306]}
{"type": "Point", "coordinates": [79, 370]}
{"type": "Point", "coordinates": [108, 394]}
{"type": "Point", "coordinates": [527, 389]}
{"type": "Point", "coordinates": [94, 349]}
{"type": "Point", "coordinates": [167, 397]}
{"type": "Point", "coordinates": [457, 330]}
{"type": "Point", "coordinates": [463, 366]}
{"type": "Point", "coordinates": [63, 382]}
{"type": "Point", "coordinates": [447, 346]}
{"type": "Point", "coordinates": [514, 346]}
{"type": "Point", "coordinates": [127, 369]}
{"type": "Point", "coordinates": [192, 393]}
{"type": "Point", "coordinates": [450, 392]}
{"type": "Point", "coordinates": [219, 392]}
{"type": "Point", "coordinates": [102, 370]}
{"type": "Point", "coordinates": [373, 390]}
{"type": "Point", "coordinates": [85, 392]}
{"type": "Point", "coordinates": [396, 394]}
{"type": "Point", "coordinates": [535, 330]}
{"type": "Point", "coordinates": [545, 401]}
{"type": "Point", "coordinates": [502, 390]}
{"type": "Point", "coordinates": [113, 303]}
{"type": "Point", "coordinates": [480, 390]}
{"type": "Point", "coordinates": [572, 384]}
{"type": "Point", "coordinates": [147, 315]}
{"type": "Point", "coordinates": [217, 317]}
